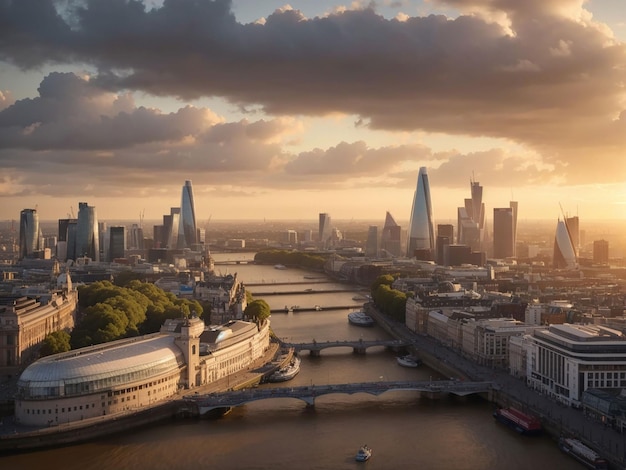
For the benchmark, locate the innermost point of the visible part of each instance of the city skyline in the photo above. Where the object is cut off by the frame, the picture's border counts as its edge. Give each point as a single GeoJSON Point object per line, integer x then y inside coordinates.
{"type": "Point", "coordinates": [298, 110]}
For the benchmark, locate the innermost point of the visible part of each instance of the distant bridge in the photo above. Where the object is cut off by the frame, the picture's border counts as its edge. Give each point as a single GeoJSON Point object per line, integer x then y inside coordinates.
{"type": "Point", "coordinates": [358, 346]}
{"type": "Point", "coordinates": [308, 394]}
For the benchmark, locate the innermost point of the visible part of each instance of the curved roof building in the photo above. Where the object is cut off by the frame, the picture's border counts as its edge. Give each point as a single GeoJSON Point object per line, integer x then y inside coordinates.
{"type": "Point", "coordinates": [99, 368]}
{"type": "Point", "coordinates": [135, 373]}
{"type": "Point", "coordinates": [421, 228]}
{"type": "Point", "coordinates": [564, 253]}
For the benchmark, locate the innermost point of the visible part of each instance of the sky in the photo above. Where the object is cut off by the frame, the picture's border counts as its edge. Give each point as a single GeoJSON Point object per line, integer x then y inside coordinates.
{"type": "Point", "coordinates": [281, 110]}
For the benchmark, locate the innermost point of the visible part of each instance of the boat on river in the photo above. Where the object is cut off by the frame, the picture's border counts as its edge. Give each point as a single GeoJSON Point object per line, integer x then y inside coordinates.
{"type": "Point", "coordinates": [280, 266]}
{"type": "Point", "coordinates": [363, 454]}
{"type": "Point", "coordinates": [588, 457]}
{"type": "Point", "coordinates": [360, 318]}
{"type": "Point", "coordinates": [521, 422]}
{"type": "Point", "coordinates": [286, 373]}
{"type": "Point", "coordinates": [408, 361]}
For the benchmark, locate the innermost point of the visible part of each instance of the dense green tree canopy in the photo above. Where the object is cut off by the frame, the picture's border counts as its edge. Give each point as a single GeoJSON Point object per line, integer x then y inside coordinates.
{"type": "Point", "coordinates": [258, 310]}
{"type": "Point", "coordinates": [388, 300]}
{"type": "Point", "coordinates": [111, 312]}
{"type": "Point", "coordinates": [54, 343]}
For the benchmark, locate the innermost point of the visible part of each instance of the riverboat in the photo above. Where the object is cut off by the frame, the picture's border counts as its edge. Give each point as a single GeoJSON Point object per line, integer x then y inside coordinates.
{"type": "Point", "coordinates": [408, 361]}
{"type": "Point", "coordinates": [360, 318]}
{"type": "Point", "coordinates": [286, 373]}
{"type": "Point", "coordinates": [582, 453]}
{"type": "Point", "coordinates": [280, 266]}
{"type": "Point", "coordinates": [521, 422]}
{"type": "Point", "coordinates": [363, 454]}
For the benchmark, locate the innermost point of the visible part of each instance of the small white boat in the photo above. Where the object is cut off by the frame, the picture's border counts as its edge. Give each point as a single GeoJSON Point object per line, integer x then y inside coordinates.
{"type": "Point", "coordinates": [280, 266]}
{"type": "Point", "coordinates": [286, 373]}
{"type": "Point", "coordinates": [408, 361]}
{"type": "Point", "coordinates": [360, 318]}
{"type": "Point", "coordinates": [363, 454]}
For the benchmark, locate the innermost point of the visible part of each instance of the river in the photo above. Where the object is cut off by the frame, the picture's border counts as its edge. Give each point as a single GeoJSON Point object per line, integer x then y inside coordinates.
{"type": "Point", "coordinates": [404, 430]}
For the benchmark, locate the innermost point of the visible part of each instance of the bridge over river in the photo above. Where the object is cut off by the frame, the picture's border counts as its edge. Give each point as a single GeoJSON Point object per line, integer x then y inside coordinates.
{"type": "Point", "coordinates": [205, 403]}
{"type": "Point", "coordinates": [358, 346]}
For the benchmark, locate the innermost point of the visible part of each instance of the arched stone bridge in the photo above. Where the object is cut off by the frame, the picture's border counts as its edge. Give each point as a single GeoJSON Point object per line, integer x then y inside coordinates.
{"type": "Point", "coordinates": [358, 346]}
{"type": "Point", "coordinates": [308, 394]}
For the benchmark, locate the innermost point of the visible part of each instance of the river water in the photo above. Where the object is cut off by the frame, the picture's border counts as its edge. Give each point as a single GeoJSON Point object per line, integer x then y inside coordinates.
{"type": "Point", "coordinates": [404, 430]}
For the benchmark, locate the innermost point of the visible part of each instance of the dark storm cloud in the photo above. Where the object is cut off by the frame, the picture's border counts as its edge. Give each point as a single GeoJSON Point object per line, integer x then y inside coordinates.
{"type": "Point", "coordinates": [546, 76]}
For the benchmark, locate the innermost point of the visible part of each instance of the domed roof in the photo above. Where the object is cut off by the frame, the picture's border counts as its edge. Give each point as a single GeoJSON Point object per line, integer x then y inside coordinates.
{"type": "Point", "coordinates": [103, 361]}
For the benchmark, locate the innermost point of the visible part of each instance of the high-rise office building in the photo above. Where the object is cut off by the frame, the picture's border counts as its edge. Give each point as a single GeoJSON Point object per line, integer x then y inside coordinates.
{"type": "Point", "coordinates": [87, 237]}
{"type": "Point", "coordinates": [29, 233]}
{"type": "Point", "coordinates": [564, 253]}
{"type": "Point", "coordinates": [513, 205]}
{"type": "Point", "coordinates": [503, 238]}
{"type": "Point", "coordinates": [471, 219]}
{"type": "Point", "coordinates": [445, 237]}
{"type": "Point", "coordinates": [573, 226]}
{"type": "Point", "coordinates": [135, 237]}
{"type": "Point", "coordinates": [391, 237]}
{"type": "Point", "coordinates": [325, 230]}
{"type": "Point", "coordinates": [421, 229]}
{"type": "Point", "coordinates": [371, 244]}
{"type": "Point", "coordinates": [601, 252]}
{"type": "Point", "coordinates": [117, 242]}
{"type": "Point", "coordinates": [188, 230]}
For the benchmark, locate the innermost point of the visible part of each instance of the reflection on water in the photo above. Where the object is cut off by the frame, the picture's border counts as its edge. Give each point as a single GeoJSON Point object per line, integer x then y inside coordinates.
{"type": "Point", "coordinates": [405, 430]}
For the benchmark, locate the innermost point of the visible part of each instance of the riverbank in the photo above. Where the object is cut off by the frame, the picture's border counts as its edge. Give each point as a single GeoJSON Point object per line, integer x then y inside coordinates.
{"type": "Point", "coordinates": [18, 438]}
{"type": "Point", "coordinates": [557, 419]}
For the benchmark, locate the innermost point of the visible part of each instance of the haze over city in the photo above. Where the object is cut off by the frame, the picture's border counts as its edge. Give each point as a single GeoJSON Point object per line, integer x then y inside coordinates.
{"type": "Point", "coordinates": [282, 111]}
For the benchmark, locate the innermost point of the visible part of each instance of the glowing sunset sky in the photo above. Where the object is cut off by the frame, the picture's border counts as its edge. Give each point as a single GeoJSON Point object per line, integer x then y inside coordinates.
{"type": "Point", "coordinates": [282, 112]}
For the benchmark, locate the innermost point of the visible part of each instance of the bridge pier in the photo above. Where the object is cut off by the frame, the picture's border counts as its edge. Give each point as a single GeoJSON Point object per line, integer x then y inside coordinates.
{"type": "Point", "coordinates": [315, 352]}
{"type": "Point", "coordinates": [359, 350]}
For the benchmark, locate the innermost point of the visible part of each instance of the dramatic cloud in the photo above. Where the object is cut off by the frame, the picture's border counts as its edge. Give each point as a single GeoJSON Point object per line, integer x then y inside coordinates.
{"type": "Point", "coordinates": [537, 72]}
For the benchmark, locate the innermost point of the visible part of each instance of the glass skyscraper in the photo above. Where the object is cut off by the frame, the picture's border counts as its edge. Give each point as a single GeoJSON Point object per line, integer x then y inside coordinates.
{"type": "Point", "coordinates": [187, 231]}
{"type": "Point", "coordinates": [564, 252]}
{"type": "Point", "coordinates": [421, 229]}
{"type": "Point", "coordinates": [29, 232]}
{"type": "Point", "coordinates": [87, 236]}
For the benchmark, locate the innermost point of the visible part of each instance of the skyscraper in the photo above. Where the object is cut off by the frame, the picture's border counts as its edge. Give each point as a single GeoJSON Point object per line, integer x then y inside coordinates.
{"type": "Point", "coordinates": [573, 226]}
{"type": "Point", "coordinates": [513, 206]}
{"type": "Point", "coordinates": [601, 251]}
{"type": "Point", "coordinates": [471, 219]}
{"type": "Point", "coordinates": [87, 238]}
{"type": "Point", "coordinates": [117, 242]}
{"type": "Point", "coordinates": [29, 233]}
{"type": "Point", "coordinates": [325, 230]}
{"type": "Point", "coordinates": [421, 229]}
{"type": "Point", "coordinates": [564, 253]}
{"type": "Point", "coordinates": [371, 245]}
{"type": "Point", "coordinates": [391, 238]}
{"type": "Point", "coordinates": [188, 230]}
{"type": "Point", "coordinates": [503, 237]}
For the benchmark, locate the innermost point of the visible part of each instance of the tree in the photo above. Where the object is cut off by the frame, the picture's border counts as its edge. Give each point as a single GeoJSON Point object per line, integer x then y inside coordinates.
{"type": "Point", "coordinates": [54, 343]}
{"type": "Point", "coordinates": [258, 310]}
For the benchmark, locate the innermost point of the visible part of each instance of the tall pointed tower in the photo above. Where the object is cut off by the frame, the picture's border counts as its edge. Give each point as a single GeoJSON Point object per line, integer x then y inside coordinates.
{"type": "Point", "coordinates": [421, 229]}
{"type": "Point", "coordinates": [188, 230]}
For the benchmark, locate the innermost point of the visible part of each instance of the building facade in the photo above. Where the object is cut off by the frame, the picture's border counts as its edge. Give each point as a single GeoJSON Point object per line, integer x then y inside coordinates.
{"type": "Point", "coordinates": [26, 320]}
{"type": "Point", "coordinates": [135, 373]}
{"type": "Point", "coordinates": [29, 233]}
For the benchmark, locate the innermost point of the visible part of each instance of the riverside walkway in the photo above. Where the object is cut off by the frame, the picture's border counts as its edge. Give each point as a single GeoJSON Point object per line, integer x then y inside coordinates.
{"type": "Point", "coordinates": [205, 403]}
{"type": "Point", "coordinates": [358, 346]}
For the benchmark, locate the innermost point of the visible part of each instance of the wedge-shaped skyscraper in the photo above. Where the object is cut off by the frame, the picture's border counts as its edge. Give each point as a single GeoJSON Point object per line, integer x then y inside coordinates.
{"type": "Point", "coordinates": [564, 253]}
{"type": "Point", "coordinates": [188, 231]}
{"type": "Point", "coordinates": [421, 229]}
